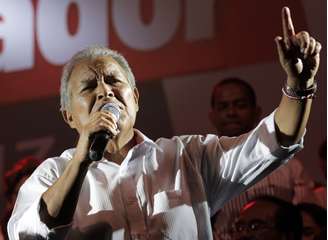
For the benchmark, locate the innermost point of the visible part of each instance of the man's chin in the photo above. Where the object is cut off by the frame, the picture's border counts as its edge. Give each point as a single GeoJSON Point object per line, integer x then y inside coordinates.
{"type": "Point", "coordinates": [232, 131]}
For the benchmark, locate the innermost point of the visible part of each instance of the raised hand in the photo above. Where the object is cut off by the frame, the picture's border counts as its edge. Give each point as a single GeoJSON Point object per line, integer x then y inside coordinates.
{"type": "Point", "coordinates": [298, 53]}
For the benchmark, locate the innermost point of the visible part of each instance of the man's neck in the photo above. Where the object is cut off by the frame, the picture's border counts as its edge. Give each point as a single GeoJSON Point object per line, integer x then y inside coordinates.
{"type": "Point", "coordinates": [118, 150]}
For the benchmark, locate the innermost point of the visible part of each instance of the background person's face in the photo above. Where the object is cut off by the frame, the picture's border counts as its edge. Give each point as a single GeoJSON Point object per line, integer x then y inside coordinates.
{"type": "Point", "coordinates": [257, 223]}
{"type": "Point", "coordinates": [96, 82]}
{"type": "Point", "coordinates": [233, 113]}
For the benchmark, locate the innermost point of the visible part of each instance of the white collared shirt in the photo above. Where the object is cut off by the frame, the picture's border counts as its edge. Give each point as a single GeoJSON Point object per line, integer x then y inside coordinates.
{"type": "Point", "coordinates": [166, 189]}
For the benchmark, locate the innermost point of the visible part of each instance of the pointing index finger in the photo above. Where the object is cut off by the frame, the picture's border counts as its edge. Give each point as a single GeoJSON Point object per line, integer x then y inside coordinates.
{"type": "Point", "coordinates": [287, 25]}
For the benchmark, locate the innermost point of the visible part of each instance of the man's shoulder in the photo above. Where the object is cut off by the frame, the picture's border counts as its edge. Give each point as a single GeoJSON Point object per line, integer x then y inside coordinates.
{"type": "Point", "coordinates": [54, 165]}
{"type": "Point", "coordinates": [65, 156]}
{"type": "Point", "coordinates": [186, 138]}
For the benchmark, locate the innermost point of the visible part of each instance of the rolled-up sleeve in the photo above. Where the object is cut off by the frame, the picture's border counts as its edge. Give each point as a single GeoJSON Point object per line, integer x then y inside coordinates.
{"type": "Point", "coordinates": [249, 157]}
{"type": "Point", "coordinates": [25, 220]}
{"type": "Point", "coordinates": [230, 165]}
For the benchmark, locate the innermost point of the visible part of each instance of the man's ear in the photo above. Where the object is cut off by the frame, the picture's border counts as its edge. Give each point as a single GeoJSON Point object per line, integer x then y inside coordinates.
{"type": "Point", "coordinates": [67, 116]}
{"type": "Point", "coordinates": [136, 97]}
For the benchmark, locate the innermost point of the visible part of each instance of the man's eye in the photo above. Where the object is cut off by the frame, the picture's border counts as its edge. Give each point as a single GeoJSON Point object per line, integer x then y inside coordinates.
{"type": "Point", "coordinates": [221, 106]}
{"type": "Point", "coordinates": [111, 80]}
{"type": "Point", "coordinates": [88, 87]}
{"type": "Point", "coordinates": [241, 104]}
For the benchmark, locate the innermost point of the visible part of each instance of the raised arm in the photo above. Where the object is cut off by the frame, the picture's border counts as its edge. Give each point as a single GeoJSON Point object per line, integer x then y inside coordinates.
{"type": "Point", "coordinates": [299, 57]}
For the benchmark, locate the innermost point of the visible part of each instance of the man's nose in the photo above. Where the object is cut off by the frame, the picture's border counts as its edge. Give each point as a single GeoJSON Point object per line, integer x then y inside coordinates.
{"type": "Point", "coordinates": [104, 91]}
{"type": "Point", "coordinates": [231, 110]}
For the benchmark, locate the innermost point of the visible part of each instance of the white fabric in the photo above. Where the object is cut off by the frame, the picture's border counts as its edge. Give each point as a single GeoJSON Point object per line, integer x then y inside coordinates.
{"type": "Point", "coordinates": [166, 189]}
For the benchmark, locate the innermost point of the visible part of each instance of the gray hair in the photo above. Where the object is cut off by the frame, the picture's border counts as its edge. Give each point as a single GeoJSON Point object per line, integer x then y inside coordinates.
{"type": "Point", "coordinates": [90, 53]}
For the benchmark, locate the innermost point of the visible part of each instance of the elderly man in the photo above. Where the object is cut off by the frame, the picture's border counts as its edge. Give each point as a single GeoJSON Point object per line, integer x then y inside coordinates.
{"type": "Point", "coordinates": [166, 189]}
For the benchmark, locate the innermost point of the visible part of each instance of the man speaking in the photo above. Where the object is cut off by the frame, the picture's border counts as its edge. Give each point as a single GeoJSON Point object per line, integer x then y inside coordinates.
{"type": "Point", "coordinates": [141, 189]}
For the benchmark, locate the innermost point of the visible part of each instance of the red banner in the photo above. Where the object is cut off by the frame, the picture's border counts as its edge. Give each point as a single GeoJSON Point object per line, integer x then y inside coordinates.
{"type": "Point", "coordinates": [159, 38]}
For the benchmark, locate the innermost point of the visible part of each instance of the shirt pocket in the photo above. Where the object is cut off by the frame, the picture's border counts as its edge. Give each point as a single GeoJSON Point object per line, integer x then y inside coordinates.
{"type": "Point", "coordinates": [175, 215]}
{"type": "Point", "coordinates": [166, 200]}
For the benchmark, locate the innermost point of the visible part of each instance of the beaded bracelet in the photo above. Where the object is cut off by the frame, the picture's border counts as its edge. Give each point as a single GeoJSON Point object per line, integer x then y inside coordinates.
{"type": "Point", "coordinates": [300, 94]}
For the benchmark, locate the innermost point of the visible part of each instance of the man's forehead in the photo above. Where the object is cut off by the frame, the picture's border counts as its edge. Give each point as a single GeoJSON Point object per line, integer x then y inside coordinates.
{"type": "Point", "coordinates": [230, 93]}
{"type": "Point", "coordinates": [100, 64]}
{"type": "Point", "coordinates": [228, 88]}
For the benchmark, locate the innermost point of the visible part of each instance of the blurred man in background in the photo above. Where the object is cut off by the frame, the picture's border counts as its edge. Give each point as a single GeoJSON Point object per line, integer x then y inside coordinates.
{"type": "Point", "coordinates": [234, 110]}
{"type": "Point", "coordinates": [268, 218]}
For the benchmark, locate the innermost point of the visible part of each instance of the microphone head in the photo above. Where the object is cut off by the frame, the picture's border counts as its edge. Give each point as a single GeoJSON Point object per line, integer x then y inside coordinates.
{"type": "Point", "coordinates": [112, 108]}
{"type": "Point", "coordinates": [100, 139]}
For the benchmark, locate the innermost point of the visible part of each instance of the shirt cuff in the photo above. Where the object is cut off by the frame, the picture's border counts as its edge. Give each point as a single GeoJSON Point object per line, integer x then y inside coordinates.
{"type": "Point", "coordinates": [279, 150]}
{"type": "Point", "coordinates": [29, 225]}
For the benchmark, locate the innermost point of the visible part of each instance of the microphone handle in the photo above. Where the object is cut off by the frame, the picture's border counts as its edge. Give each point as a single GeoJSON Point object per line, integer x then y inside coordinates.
{"type": "Point", "coordinates": [98, 145]}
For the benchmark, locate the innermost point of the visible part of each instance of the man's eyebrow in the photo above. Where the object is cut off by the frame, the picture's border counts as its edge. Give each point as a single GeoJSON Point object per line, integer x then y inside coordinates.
{"type": "Point", "coordinates": [242, 99]}
{"type": "Point", "coordinates": [87, 80]}
{"type": "Point", "coordinates": [240, 222]}
{"type": "Point", "coordinates": [111, 72]}
{"type": "Point", "coordinates": [116, 69]}
{"type": "Point", "coordinates": [92, 69]}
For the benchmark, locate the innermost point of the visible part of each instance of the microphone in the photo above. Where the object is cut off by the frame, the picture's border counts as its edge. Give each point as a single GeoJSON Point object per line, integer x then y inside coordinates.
{"type": "Point", "coordinates": [101, 138]}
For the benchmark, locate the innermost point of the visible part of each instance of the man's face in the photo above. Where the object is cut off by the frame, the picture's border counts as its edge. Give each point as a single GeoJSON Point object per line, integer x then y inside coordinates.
{"type": "Point", "coordinates": [256, 222]}
{"type": "Point", "coordinates": [233, 113]}
{"type": "Point", "coordinates": [96, 82]}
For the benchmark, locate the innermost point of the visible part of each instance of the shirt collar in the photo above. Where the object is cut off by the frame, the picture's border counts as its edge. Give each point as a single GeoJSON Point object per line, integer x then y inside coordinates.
{"type": "Point", "coordinates": [143, 139]}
